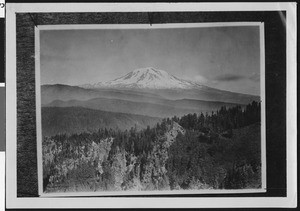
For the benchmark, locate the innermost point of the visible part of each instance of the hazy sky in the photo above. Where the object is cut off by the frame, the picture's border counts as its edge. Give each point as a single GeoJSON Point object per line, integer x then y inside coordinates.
{"type": "Point", "coordinates": [227, 58]}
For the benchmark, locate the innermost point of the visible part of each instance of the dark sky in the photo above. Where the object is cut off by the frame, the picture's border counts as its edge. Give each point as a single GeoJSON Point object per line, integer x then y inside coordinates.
{"type": "Point", "coordinates": [222, 57]}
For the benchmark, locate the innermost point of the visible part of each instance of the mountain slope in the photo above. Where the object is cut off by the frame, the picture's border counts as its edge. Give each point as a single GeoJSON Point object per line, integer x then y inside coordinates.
{"type": "Point", "coordinates": [153, 81]}
{"type": "Point", "coordinates": [70, 120]}
{"type": "Point", "coordinates": [206, 94]}
{"type": "Point", "coordinates": [147, 78]}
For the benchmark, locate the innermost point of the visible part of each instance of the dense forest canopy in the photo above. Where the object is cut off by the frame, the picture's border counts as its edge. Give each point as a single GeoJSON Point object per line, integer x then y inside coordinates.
{"type": "Point", "coordinates": [220, 150]}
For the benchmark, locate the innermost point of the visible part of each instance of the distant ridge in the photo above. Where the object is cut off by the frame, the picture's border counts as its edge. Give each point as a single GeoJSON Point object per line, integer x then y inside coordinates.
{"type": "Point", "coordinates": [63, 92]}
{"type": "Point", "coordinates": [153, 108]}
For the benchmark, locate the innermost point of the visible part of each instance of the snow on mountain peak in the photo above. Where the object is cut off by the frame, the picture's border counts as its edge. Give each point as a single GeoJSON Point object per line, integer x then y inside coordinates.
{"type": "Point", "coordinates": [148, 78]}
{"type": "Point", "coordinates": [150, 70]}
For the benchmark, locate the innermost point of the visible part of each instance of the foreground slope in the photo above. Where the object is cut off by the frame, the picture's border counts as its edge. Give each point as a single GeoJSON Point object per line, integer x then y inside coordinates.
{"type": "Point", "coordinates": [177, 159]}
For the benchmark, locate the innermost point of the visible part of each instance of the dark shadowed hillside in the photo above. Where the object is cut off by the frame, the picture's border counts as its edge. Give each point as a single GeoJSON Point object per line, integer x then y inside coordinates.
{"type": "Point", "coordinates": [71, 120]}
{"type": "Point", "coordinates": [159, 107]}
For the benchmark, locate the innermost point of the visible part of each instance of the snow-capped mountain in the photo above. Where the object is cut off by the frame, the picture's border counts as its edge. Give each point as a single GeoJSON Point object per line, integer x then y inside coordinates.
{"type": "Point", "coordinates": [146, 78]}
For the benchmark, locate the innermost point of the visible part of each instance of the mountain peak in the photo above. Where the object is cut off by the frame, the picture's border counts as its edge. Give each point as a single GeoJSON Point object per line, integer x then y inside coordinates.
{"type": "Point", "coordinates": [149, 78]}
{"type": "Point", "coordinates": [149, 70]}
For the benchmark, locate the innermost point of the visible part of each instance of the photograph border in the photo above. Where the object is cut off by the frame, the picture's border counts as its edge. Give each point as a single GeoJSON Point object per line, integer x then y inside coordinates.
{"type": "Point", "coordinates": [39, 28]}
{"type": "Point", "coordinates": [14, 202]}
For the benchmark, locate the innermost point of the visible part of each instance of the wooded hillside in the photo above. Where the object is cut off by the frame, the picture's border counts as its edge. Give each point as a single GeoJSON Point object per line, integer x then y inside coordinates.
{"type": "Point", "coordinates": [207, 151]}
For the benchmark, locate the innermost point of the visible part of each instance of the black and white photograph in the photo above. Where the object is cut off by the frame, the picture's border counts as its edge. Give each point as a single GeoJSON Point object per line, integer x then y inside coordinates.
{"type": "Point", "coordinates": [139, 108]}
{"type": "Point", "coordinates": [150, 105]}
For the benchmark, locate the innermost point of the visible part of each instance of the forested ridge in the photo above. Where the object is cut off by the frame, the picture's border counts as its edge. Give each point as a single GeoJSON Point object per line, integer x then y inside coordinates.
{"type": "Point", "coordinates": [71, 120]}
{"type": "Point", "coordinates": [220, 150]}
